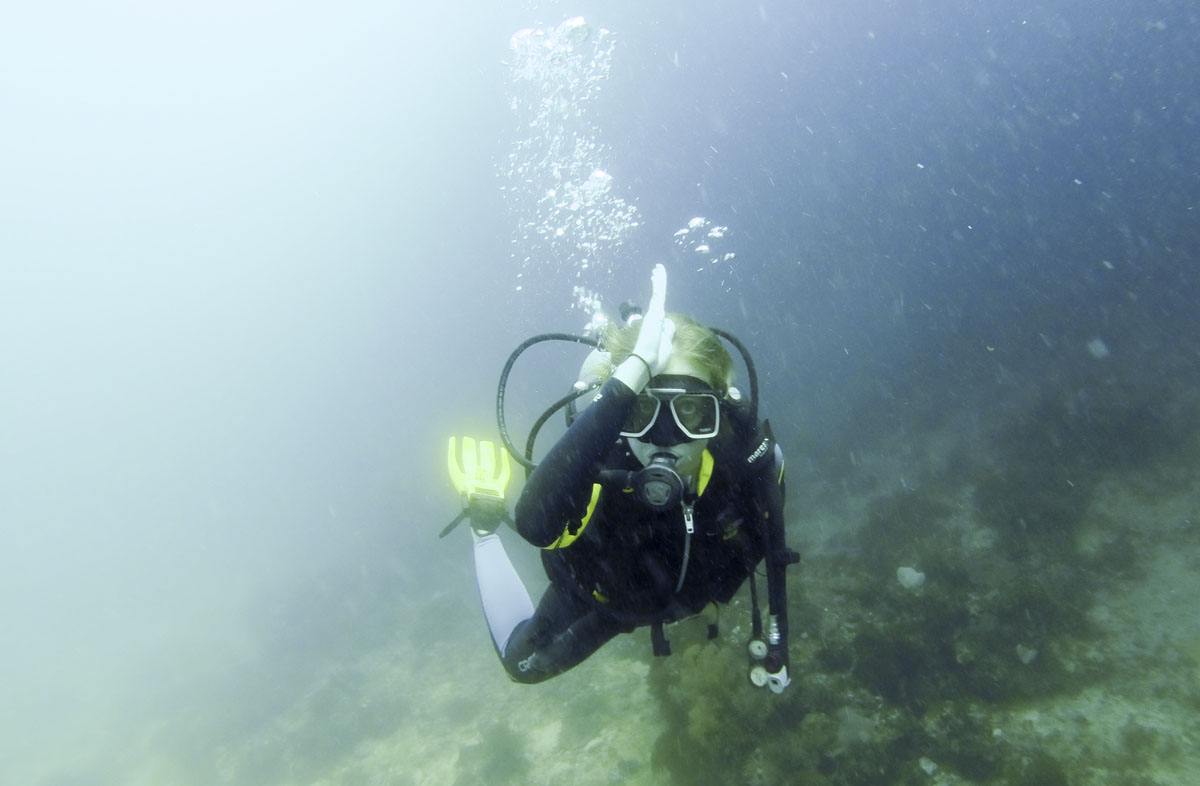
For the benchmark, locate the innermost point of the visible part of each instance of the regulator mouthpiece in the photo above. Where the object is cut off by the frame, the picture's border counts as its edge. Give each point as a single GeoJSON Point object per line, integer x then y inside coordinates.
{"type": "Point", "coordinates": [658, 485]}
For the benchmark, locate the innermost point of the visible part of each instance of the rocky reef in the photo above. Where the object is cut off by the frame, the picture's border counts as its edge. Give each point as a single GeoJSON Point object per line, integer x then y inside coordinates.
{"type": "Point", "coordinates": [1009, 604]}
{"type": "Point", "coordinates": [1049, 638]}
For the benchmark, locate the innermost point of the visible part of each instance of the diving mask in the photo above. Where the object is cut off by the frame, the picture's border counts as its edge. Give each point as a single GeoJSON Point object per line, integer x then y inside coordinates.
{"type": "Point", "coordinates": [695, 411]}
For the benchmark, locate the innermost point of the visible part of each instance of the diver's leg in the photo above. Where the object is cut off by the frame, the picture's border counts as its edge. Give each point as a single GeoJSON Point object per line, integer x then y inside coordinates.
{"type": "Point", "coordinates": [505, 600]}
{"type": "Point", "coordinates": [561, 634]}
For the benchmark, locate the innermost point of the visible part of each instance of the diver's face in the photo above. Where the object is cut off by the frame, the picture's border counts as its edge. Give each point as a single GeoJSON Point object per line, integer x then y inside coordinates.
{"type": "Point", "coordinates": [665, 436]}
{"type": "Point", "coordinates": [686, 454]}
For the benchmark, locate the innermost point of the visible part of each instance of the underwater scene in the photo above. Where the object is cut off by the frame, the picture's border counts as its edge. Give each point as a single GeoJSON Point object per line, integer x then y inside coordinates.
{"type": "Point", "coordinates": [655, 393]}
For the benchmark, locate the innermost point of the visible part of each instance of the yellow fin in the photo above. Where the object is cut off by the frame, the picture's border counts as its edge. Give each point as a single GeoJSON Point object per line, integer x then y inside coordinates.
{"type": "Point", "coordinates": [479, 468]}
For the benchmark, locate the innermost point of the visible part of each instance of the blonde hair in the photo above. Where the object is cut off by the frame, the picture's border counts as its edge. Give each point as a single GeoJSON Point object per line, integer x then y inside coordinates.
{"type": "Point", "coordinates": [693, 342]}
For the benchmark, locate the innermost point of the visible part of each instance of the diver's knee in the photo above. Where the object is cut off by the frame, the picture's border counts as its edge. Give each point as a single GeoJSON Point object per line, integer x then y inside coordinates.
{"type": "Point", "coordinates": [529, 670]}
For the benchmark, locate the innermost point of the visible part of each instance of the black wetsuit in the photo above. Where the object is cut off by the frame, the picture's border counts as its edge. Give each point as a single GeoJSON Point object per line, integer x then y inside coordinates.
{"type": "Point", "coordinates": [621, 568]}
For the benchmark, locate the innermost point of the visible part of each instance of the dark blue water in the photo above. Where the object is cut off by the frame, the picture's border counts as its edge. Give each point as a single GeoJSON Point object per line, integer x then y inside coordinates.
{"type": "Point", "coordinates": [921, 194]}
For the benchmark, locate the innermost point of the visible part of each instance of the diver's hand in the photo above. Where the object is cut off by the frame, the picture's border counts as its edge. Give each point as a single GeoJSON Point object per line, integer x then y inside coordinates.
{"type": "Point", "coordinates": [657, 331]}
{"type": "Point", "coordinates": [655, 334]}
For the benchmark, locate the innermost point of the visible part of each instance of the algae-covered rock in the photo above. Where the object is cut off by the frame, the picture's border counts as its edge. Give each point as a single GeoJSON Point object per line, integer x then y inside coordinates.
{"type": "Point", "coordinates": [497, 757]}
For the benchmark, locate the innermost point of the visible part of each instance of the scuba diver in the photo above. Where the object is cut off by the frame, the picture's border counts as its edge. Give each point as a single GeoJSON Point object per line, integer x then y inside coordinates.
{"type": "Point", "coordinates": [661, 498]}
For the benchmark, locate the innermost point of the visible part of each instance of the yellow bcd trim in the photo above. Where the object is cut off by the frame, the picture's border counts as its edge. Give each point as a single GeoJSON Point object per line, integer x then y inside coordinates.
{"type": "Point", "coordinates": [567, 537]}
{"type": "Point", "coordinates": [706, 469]}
